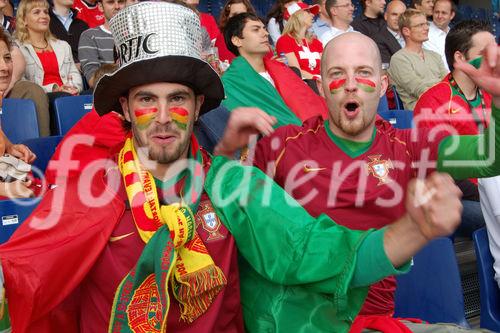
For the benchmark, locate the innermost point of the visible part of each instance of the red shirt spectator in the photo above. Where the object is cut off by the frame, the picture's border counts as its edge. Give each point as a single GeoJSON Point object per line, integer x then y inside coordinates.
{"type": "Point", "coordinates": [208, 22]}
{"type": "Point", "coordinates": [308, 54]}
{"type": "Point", "coordinates": [89, 13]}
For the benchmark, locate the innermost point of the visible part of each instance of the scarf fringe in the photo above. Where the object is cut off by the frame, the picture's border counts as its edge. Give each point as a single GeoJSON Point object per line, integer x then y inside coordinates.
{"type": "Point", "coordinates": [196, 291]}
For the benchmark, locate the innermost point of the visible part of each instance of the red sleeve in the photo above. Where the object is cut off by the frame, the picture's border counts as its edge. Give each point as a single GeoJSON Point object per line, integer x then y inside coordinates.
{"type": "Point", "coordinates": [209, 23]}
{"type": "Point", "coordinates": [286, 44]}
{"type": "Point", "coordinates": [429, 110]}
{"type": "Point", "coordinates": [316, 46]}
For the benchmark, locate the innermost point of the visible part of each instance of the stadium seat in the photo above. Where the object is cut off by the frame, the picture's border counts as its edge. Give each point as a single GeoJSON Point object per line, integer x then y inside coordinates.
{"type": "Point", "coordinates": [13, 213]}
{"type": "Point", "coordinates": [383, 104]}
{"type": "Point", "coordinates": [401, 119]}
{"type": "Point", "coordinates": [44, 148]}
{"type": "Point", "coordinates": [68, 110]}
{"type": "Point", "coordinates": [432, 290]}
{"type": "Point", "coordinates": [488, 287]}
{"type": "Point", "coordinates": [19, 120]}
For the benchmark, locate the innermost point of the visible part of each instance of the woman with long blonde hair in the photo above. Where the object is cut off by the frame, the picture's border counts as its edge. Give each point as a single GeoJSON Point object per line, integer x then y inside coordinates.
{"type": "Point", "coordinates": [300, 48]}
{"type": "Point", "coordinates": [49, 61]}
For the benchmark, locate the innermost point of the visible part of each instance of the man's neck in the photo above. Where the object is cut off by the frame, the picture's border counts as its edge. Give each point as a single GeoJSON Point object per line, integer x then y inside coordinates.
{"type": "Point", "coordinates": [465, 83]}
{"type": "Point", "coordinates": [342, 25]}
{"type": "Point", "coordinates": [106, 25]}
{"type": "Point", "coordinates": [445, 28]}
{"type": "Point", "coordinates": [413, 46]}
{"type": "Point", "coordinates": [256, 61]}
{"type": "Point", "coordinates": [370, 13]}
{"type": "Point", "coordinates": [325, 19]}
{"type": "Point", "coordinates": [364, 136]}
{"type": "Point", "coordinates": [61, 10]}
{"type": "Point", "coordinates": [393, 31]}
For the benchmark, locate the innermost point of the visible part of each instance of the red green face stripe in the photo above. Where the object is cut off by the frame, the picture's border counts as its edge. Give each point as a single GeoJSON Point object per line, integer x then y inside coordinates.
{"type": "Point", "coordinates": [144, 117]}
{"type": "Point", "coordinates": [336, 86]}
{"type": "Point", "coordinates": [179, 117]}
{"type": "Point", "coordinates": [366, 85]}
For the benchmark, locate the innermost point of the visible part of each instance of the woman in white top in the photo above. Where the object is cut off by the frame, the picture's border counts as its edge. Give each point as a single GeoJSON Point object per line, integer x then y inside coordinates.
{"type": "Point", "coordinates": [49, 62]}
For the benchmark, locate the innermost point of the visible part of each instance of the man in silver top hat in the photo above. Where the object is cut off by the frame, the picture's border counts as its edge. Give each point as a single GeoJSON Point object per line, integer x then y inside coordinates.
{"type": "Point", "coordinates": [150, 244]}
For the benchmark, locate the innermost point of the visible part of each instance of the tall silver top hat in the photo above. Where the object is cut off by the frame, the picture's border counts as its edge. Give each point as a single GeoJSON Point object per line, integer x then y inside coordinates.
{"type": "Point", "coordinates": [157, 42]}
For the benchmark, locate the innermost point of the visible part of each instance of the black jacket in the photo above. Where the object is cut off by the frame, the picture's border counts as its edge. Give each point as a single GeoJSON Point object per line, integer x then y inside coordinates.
{"type": "Point", "coordinates": [73, 35]}
{"type": "Point", "coordinates": [387, 44]}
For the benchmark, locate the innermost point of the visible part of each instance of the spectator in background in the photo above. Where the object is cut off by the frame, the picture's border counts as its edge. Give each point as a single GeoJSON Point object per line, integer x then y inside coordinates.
{"type": "Point", "coordinates": [371, 21]}
{"type": "Point", "coordinates": [413, 69]}
{"type": "Point", "coordinates": [341, 13]}
{"type": "Point", "coordinates": [49, 61]}
{"type": "Point", "coordinates": [66, 26]}
{"type": "Point", "coordinates": [276, 19]}
{"type": "Point", "coordinates": [443, 12]}
{"type": "Point", "coordinates": [457, 104]}
{"type": "Point", "coordinates": [231, 8]}
{"type": "Point", "coordinates": [89, 12]}
{"type": "Point", "coordinates": [425, 6]}
{"type": "Point", "coordinates": [390, 40]}
{"type": "Point", "coordinates": [16, 189]}
{"type": "Point", "coordinates": [8, 22]}
{"type": "Point", "coordinates": [207, 20]}
{"type": "Point", "coordinates": [96, 45]}
{"type": "Point", "coordinates": [322, 22]}
{"type": "Point", "coordinates": [254, 80]}
{"type": "Point", "coordinates": [301, 50]}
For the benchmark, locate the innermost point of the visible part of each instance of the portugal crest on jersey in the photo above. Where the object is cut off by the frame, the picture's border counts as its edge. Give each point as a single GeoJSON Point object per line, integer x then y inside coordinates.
{"type": "Point", "coordinates": [379, 168]}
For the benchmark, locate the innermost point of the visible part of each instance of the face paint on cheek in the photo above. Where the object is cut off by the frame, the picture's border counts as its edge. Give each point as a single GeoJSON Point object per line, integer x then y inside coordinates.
{"type": "Point", "coordinates": [179, 117]}
{"type": "Point", "coordinates": [144, 117]}
{"type": "Point", "coordinates": [336, 86]}
{"type": "Point", "coordinates": [366, 85]}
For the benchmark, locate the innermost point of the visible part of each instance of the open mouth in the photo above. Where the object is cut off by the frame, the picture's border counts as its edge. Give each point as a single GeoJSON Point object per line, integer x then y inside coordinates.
{"type": "Point", "coordinates": [351, 106]}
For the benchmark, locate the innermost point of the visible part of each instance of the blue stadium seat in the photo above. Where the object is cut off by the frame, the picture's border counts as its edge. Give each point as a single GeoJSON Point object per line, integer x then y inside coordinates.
{"type": "Point", "coordinates": [68, 110]}
{"type": "Point", "coordinates": [488, 287]}
{"type": "Point", "coordinates": [13, 213]}
{"type": "Point", "coordinates": [432, 290]}
{"type": "Point", "coordinates": [383, 104]}
{"type": "Point", "coordinates": [19, 119]}
{"type": "Point", "coordinates": [401, 119]}
{"type": "Point", "coordinates": [44, 148]}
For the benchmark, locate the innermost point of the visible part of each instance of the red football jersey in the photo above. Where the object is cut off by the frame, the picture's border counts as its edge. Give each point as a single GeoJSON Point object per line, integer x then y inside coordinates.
{"type": "Point", "coordinates": [360, 190]}
{"type": "Point", "coordinates": [90, 14]}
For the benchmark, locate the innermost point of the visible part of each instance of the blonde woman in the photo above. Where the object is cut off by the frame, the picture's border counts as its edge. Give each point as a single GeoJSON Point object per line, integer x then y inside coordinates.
{"type": "Point", "coordinates": [299, 47]}
{"type": "Point", "coordinates": [49, 62]}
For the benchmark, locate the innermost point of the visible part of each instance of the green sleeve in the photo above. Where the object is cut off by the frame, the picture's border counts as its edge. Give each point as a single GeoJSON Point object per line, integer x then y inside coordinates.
{"type": "Point", "coordinates": [276, 236]}
{"type": "Point", "coordinates": [371, 254]}
{"type": "Point", "coordinates": [475, 155]}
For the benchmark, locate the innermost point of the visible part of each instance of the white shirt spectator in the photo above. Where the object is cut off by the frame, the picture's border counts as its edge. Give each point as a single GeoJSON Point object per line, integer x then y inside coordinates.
{"type": "Point", "coordinates": [437, 38]}
{"type": "Point", "coordinates": [332, 33]}
{"type": "Point", "coordinates": [489, 192]}
{"type": "Point", "coordinates": [273, 27]}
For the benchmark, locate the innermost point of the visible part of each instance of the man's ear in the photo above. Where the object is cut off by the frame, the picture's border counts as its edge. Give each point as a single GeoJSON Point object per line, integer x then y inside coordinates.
{"type": "Point", "coordinates": [458, 56]}
{"type": "Point", "coordinates": [452, 16]}
{"type": "Point", "coordinates": [319, 84]}
{"type": "Point", "coordinates": [405, 31]}
{"type": "Point", "coordinates": [384, 83]}
{"type": "Point", "coordinates": [99, 5]}
{"type": "Point", "coordinates": [236, 41]}
{"type": "Point", "coordinates": [126, 112]}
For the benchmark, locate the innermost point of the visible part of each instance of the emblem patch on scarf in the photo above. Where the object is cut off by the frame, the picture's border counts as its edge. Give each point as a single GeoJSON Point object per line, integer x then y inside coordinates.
{"type": "Point", "coordinates": [209, 221]}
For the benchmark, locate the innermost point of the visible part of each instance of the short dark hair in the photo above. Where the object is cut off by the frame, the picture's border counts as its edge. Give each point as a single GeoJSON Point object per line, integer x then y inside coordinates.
{"type": "Point", "coordinates": [234, 27]}
{"type": "Point", "coordinates": [459, 38]}
{"type": "Point", "coordinates": [328, 5]}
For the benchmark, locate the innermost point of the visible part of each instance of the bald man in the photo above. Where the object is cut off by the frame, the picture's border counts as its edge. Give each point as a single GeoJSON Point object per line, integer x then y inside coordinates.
{"type": "Point", "coordinates": [355, 167]}
{"type": "Point", "coordinates": [390, 40]}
